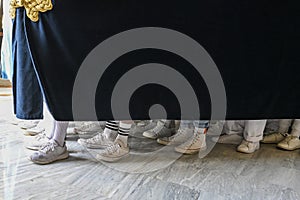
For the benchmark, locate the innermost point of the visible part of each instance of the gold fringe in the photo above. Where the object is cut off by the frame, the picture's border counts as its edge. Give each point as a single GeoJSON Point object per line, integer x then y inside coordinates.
{"type": "Point", "coordinates": [32, 7]}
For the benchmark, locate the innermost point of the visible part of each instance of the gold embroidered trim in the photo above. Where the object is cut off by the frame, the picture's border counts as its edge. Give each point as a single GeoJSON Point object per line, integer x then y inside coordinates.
{"type": "Point", "coordinates": [32, 7]}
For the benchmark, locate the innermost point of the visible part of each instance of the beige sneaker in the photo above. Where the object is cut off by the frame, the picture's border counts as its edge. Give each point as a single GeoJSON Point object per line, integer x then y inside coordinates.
{"type": "Point", "coordinates": [274, 138]}
{"type": "Point", "coordinates": [34, 131]}
{"type": "Point", "coordinates": [114, 152]}
{"type": "Point", "coordinates": [195, 144]}
{"type": "Point", "coordinates": [290, 143]}
{"type": "Point", "coordinates": [248, 147]}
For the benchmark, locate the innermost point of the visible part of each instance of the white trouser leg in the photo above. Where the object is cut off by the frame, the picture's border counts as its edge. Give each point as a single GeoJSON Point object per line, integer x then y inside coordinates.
{"type": "Point", "coordinates": [296, 128]}
{"type": "Point", "coordinates": [254, 130]}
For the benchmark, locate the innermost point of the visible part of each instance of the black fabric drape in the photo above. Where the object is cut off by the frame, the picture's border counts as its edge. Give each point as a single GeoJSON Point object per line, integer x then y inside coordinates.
{"type": "Point", "coordinates": [255, 45]}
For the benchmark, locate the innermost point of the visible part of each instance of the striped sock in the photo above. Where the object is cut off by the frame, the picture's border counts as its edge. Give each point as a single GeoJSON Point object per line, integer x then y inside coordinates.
{"type": "Point", "coordinates": [123, 132]}
{"type": "Point", "coordinates": [111, 127]}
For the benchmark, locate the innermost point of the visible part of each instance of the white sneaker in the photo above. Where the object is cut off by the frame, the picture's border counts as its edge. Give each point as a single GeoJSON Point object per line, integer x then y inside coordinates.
{"type": "Point", "coordinates": [49, 153]}
{"type": "Point", "coordinates": [38, 141]}
{"type": "Point", "coordinates": [87, 135]}
{"type": "Point", "coordinates": [290, 143]}
{"type": "Point", "coordinates": [28, 124]}
{"type": "Point", "coordinates": [88, 128]}
{"type": "Point", "coordinates": [159, 131]}
{"type": "Point", "coordinates": [195, 144]}
{"type": "Point", "coordinates": [228, 139]}
{"type": "Point", "coordinates": [34, 131]}
{"type": "Point", "coordinates": [180, 137]}
{"type": "Point", "coordinates": [274, 138]}
{"type": "Point", "coordinates": [145, 125]}
{"type": "Point", "coordinates": [248, 147]}
{"type": "Point", "coordinates": [16, 121]}
{"type": "Point", "coordinates": [99, 141]}
{"type": "Point", "coordinates": [114, 152]}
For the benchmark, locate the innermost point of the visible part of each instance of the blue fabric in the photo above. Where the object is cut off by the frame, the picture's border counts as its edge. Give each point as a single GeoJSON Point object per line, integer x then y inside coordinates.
{"type": "Point", "coordinates": [254, 43]}
{"type": "Point", "coordinates": [28, 98]}
{"type": "Point", "coordinates": [194, 123]}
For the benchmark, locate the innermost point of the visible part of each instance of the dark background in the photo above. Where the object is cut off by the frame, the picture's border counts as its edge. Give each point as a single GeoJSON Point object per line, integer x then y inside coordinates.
{"type": "Point", "coordinates": [254, 43]}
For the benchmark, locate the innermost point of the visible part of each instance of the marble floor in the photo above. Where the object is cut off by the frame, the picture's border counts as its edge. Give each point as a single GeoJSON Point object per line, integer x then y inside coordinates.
{"type": "Point", "coordinates": [150, 172]}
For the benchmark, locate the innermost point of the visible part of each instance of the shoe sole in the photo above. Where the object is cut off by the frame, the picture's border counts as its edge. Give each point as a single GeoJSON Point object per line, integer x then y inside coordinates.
{"type": "Point", "coordinates": [163, 142]}
{"type": "Point", "coordinates": [149, 136]}
{"type": "Point", "coordinates": [264, 142]}
{"type": "Point", "coordinates": [32, 148]}
{"type": "Point", "coordinates": [61, 157]}
{"type": "Point", "coordinates": [288, 149]}
{"type": "Point", "coordinates": [108, 159]}
{"type": "Point", "coordinates": [268, 142]}
{"type": "Point", "coordinates": [31, 133]}
{"type": "Point", "coordinates": [170, 143]}
{"type": "Point", "coordinates": [155, 138]}
{"type": "Point", "coordinates": [25, 128]}
{"type": "Point", "coordinates": [190, 151]}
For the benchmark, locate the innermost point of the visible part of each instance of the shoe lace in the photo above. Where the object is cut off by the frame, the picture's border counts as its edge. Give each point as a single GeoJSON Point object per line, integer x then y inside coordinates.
{"type": "Point", "coordinates": [179, 133]}
{"type": "Point", "coordinates": [96, 138]}
{"type": "Point", "coordinates": [49, 146]}
{"type": "Point", "coordinates": [112, 148]}
{"type": "Point", "coordinates": [88, 126]}
{"type": "Point", "coordinates": [194, 139]}
{"type": "Point", "coordinates": [40, 136]}
{"type": "Point", "coordinates": [157, 128]}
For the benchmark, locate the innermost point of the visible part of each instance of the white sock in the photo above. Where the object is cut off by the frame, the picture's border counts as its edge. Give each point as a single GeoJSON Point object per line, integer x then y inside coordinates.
{"type": "Point", "coordinates": [50, 135]}
{"type": "Point", "coordinates": [123, 132]}
{"type": "Point", "coordinates": [60, 132]}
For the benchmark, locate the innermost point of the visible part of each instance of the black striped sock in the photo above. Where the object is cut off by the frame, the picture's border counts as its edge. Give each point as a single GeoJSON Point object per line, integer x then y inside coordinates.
{"type": "Point", "coordinates": [112, 125]}
{"type": "Point", "coordinates": [124, 129]}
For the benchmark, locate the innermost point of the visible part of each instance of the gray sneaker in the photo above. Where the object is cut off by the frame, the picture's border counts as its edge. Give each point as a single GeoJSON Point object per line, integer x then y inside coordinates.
{"type": "Point", "coordinates": [180, 137]}
{"type": "Point", "coordinates": [159, 131]}
{"type": "Point", "coordinates": [195, 144]}
{"type": "Point", "coordinates": [49, 153]}
{"type": "Point", "coordinates": [98, 141]}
